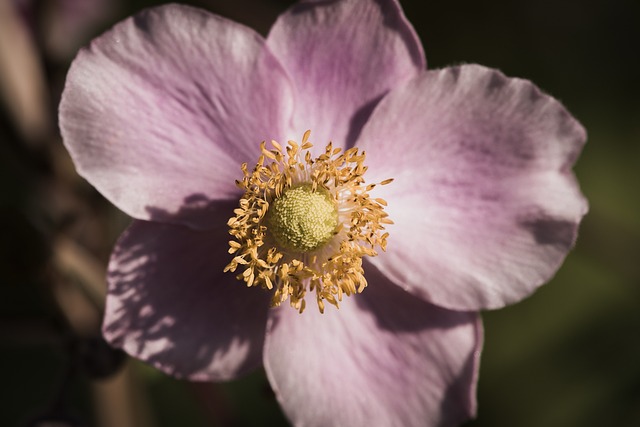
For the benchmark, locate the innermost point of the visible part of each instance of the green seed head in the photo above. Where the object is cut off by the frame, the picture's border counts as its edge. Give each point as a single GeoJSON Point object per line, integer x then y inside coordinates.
{"type": "Point", "coordinates": [301, 219]}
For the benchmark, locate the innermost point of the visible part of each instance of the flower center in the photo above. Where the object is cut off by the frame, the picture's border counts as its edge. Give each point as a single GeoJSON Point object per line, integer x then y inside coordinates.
{"type": "Point", "coordinates": [303, 225]}
{"type": "Point", "coordinates": [301, 219]}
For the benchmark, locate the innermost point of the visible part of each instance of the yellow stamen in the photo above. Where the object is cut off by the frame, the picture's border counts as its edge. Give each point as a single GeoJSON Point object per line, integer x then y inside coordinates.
{"type": "Point", "coordinates": [304, 224]}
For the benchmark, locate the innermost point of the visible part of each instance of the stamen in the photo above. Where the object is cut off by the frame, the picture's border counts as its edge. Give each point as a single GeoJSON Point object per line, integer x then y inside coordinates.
{"type": "Point", "coordinates": [303, 225]}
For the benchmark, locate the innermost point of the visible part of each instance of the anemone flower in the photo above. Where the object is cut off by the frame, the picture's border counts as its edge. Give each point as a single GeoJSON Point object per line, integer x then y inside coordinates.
{"type": "Point", "coordinates": [351, 262]}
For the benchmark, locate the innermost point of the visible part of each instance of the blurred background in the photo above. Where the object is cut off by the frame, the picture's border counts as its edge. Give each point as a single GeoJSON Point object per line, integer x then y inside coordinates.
{"type": "Point", "coordinates": [568, 356]}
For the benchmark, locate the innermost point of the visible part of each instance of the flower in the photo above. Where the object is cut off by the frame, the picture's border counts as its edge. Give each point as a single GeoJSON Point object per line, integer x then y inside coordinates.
{"type": "Point", "coordinates": [306, 224]}
{"type": "Point", "coordinates": [161, 113]}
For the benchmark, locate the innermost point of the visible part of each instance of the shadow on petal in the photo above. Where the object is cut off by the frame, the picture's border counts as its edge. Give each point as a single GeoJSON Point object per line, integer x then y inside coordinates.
{"type": "Point", "coordinates": [197, 211]}
{"type": "Point", "coordinates": [171, 304]}
{"type": "Point", "coordinates": [381, 294]}
{"type": "Point", "coordinates": [547, 230]}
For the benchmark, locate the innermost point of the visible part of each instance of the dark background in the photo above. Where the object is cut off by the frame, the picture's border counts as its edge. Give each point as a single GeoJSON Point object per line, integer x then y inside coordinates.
{"type": "Point", "coordinates": [567, 356]}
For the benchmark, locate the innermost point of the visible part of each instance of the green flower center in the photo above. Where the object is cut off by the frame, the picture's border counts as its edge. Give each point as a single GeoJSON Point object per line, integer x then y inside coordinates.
{"type": "Point", "coordinates": [302, 219]}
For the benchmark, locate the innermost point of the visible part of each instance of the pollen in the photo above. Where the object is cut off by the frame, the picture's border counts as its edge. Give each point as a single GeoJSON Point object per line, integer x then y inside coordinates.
{"type": "Point", "coordinates": [304, 224]}
{"type": "Point", "coordinates": [302, 219]}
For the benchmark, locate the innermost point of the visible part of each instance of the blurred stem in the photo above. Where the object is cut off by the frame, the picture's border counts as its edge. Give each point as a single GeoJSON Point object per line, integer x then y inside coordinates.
{"type": "Point", "coordinates": [22, 81]}
{"type": "Point", "coordinates": [120, 402]}
{"type": "Point", "coordinates": [76, 262]}
{"type": "Point", "coordinates": [80, 290]}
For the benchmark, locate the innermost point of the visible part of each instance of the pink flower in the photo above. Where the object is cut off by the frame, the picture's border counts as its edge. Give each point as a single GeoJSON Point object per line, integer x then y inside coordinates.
{"type": "Point", "coordinates": [159, 114]}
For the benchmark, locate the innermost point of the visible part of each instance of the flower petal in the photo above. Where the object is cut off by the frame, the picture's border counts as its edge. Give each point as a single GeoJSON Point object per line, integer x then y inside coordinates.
{"type": "Point", "coordinates": [385, 358]}
{"type": "Point", "coordinates": [484, 201]}
{"type": "Point", "coordinates": [170, 304]}
{"type": "Point", "coordinates": [343, 56]}
{"type": "Point", "coordinates": [167, 105]}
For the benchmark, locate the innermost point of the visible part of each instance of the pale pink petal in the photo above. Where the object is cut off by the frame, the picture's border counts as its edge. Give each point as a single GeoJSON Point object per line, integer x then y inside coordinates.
{"type": "Point", "coordinates": [484, 201]}
{"type": "Point", "coordinates": [343, 56]}
{"type": "Point", "coordinates": [170, 303]}
{"type": "Point", "coordinates": [385, 358]}
{"type": "Point", "coordinates": [167, 105]}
